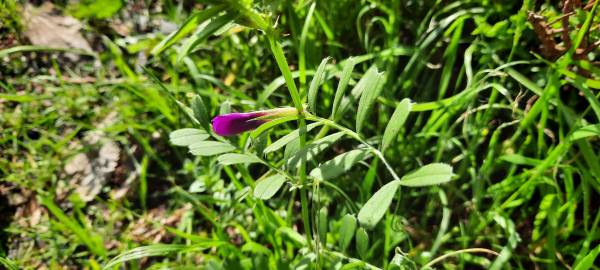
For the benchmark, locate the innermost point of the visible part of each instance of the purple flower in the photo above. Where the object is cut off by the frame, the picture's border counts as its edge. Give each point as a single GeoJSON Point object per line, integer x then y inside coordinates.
{"type": "Point", "coordinates": [235, 123]}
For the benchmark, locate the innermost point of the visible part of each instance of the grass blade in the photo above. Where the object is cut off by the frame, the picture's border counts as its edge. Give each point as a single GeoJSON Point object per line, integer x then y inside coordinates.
{"type": "Point", "coordinates": [584, 132]}
{"type": "Point", "coordinates": [588, 261]}
{"type": "Point", "coordinates": [156, 250]}
{"type": "Point", "coordinates": [203, 32]}
{"type": "Point", "coordinates": [93, 241]}
{"type": "Point", "coordinates": [8, 264]}
{"type": "Point", "coordinates": [302, 47]}
{"type": "Point", "coordinates": [188, 26]}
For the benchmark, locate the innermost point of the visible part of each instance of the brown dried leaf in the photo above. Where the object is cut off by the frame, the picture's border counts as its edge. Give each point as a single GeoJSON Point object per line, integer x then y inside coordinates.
{"type": "Point", "coordinates": [151, 227]}
{"type": "Point", "coordinates": [44, 28]}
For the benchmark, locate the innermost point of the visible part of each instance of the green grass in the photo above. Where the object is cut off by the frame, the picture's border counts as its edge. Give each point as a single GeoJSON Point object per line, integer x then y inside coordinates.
{"type": "Point", "coordinates": [430, 135]}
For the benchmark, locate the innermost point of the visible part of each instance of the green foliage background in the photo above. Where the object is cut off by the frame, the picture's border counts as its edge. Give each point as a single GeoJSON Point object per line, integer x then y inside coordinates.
{"type": "Point", "coordinates": [520, 132]}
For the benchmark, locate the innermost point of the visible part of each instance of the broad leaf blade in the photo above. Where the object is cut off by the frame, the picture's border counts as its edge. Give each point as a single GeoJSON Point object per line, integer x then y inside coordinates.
{"type": "Point", "coordinates": [396, 122]}
{"type": "Point", "coordinates": [283, 141]}
{"type": "Point", "coordinates": [339, 164]}
{"type": "Point", "coordinates": [372, 89]}
{"type": "Point", "coordinates": [356, 92]}
{"type": "Point", "coordinates": [266, 188]}
{"type": "Point", "coordinates": [317, 80]}
{"type": "Point", "coordinates": [343, 84]}
{"type": "Point", "coordinates": [271, 124]}
{"type": "Point", "coordinates": [210, 148]}
{"type": "Point", "coordinates": [362, 242]}
{"type": "Point", "coordinates": [187, 136]}
{"type": "Point", "coordinates": [323, 225]}
{"type": "Point", "coordinates": [231, 159]}
{"type": "Point", "coordinates": [347, 231]}
{"type": "Point", "coordinates": [370, 214]}
{"type": "Point", "coordinates": [312, 149]}
{"type": "Point", "coordinates": [225, 107]}
{"type": "Point", "coordinates": [291, 149]}
{"type": "Point", "coordinates": [200, 112]}
{"type": "Point", "coordinates": [430, 174]}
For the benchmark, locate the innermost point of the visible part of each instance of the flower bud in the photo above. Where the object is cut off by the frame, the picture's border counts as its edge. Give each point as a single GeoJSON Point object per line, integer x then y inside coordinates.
{"type": "Point", "coordinates": [235, 123]}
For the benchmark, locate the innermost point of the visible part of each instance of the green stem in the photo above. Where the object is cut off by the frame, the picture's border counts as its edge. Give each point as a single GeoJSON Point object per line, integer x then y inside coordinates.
{"type": "Point", "coordinates": [306, 216]}
{"type": "Point", "coordinates": [322, 132]}
{"type": "Point", "coordinates": [303, 193]}
{"type": "Point", "coordinates": [291, 85]}
{"type": "Point", "coordinates": [349, 201]}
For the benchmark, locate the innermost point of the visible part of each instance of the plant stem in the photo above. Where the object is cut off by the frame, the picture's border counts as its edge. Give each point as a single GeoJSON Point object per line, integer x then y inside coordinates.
{"type": "Point", "coordinates": [291, 85]}
{"type": "Point", "coordinates": [303, 195]}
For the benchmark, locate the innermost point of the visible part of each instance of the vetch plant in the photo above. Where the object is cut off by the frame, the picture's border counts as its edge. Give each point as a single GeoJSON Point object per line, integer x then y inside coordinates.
{"type": "Point", "coordinates": [351, 175]}
{"type": "Point", "coordinates": [301, 151]}
{"type": "Point", "coordinates": [291, 169]}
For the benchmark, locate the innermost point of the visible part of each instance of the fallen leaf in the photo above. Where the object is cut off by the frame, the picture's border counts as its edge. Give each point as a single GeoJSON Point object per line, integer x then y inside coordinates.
{"type": "Point", "coordinates": [44, 28]}
{"type": "Point", "coordinates": [151, 226]}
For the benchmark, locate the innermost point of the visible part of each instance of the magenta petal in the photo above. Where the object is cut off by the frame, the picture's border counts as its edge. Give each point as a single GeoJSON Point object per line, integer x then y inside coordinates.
{"type": "Point", "coordinates": [236, 123]}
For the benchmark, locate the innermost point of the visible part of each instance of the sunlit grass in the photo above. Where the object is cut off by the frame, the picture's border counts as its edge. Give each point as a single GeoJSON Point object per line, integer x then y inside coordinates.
{"type": "Point", "coordinates": [435, 135]}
